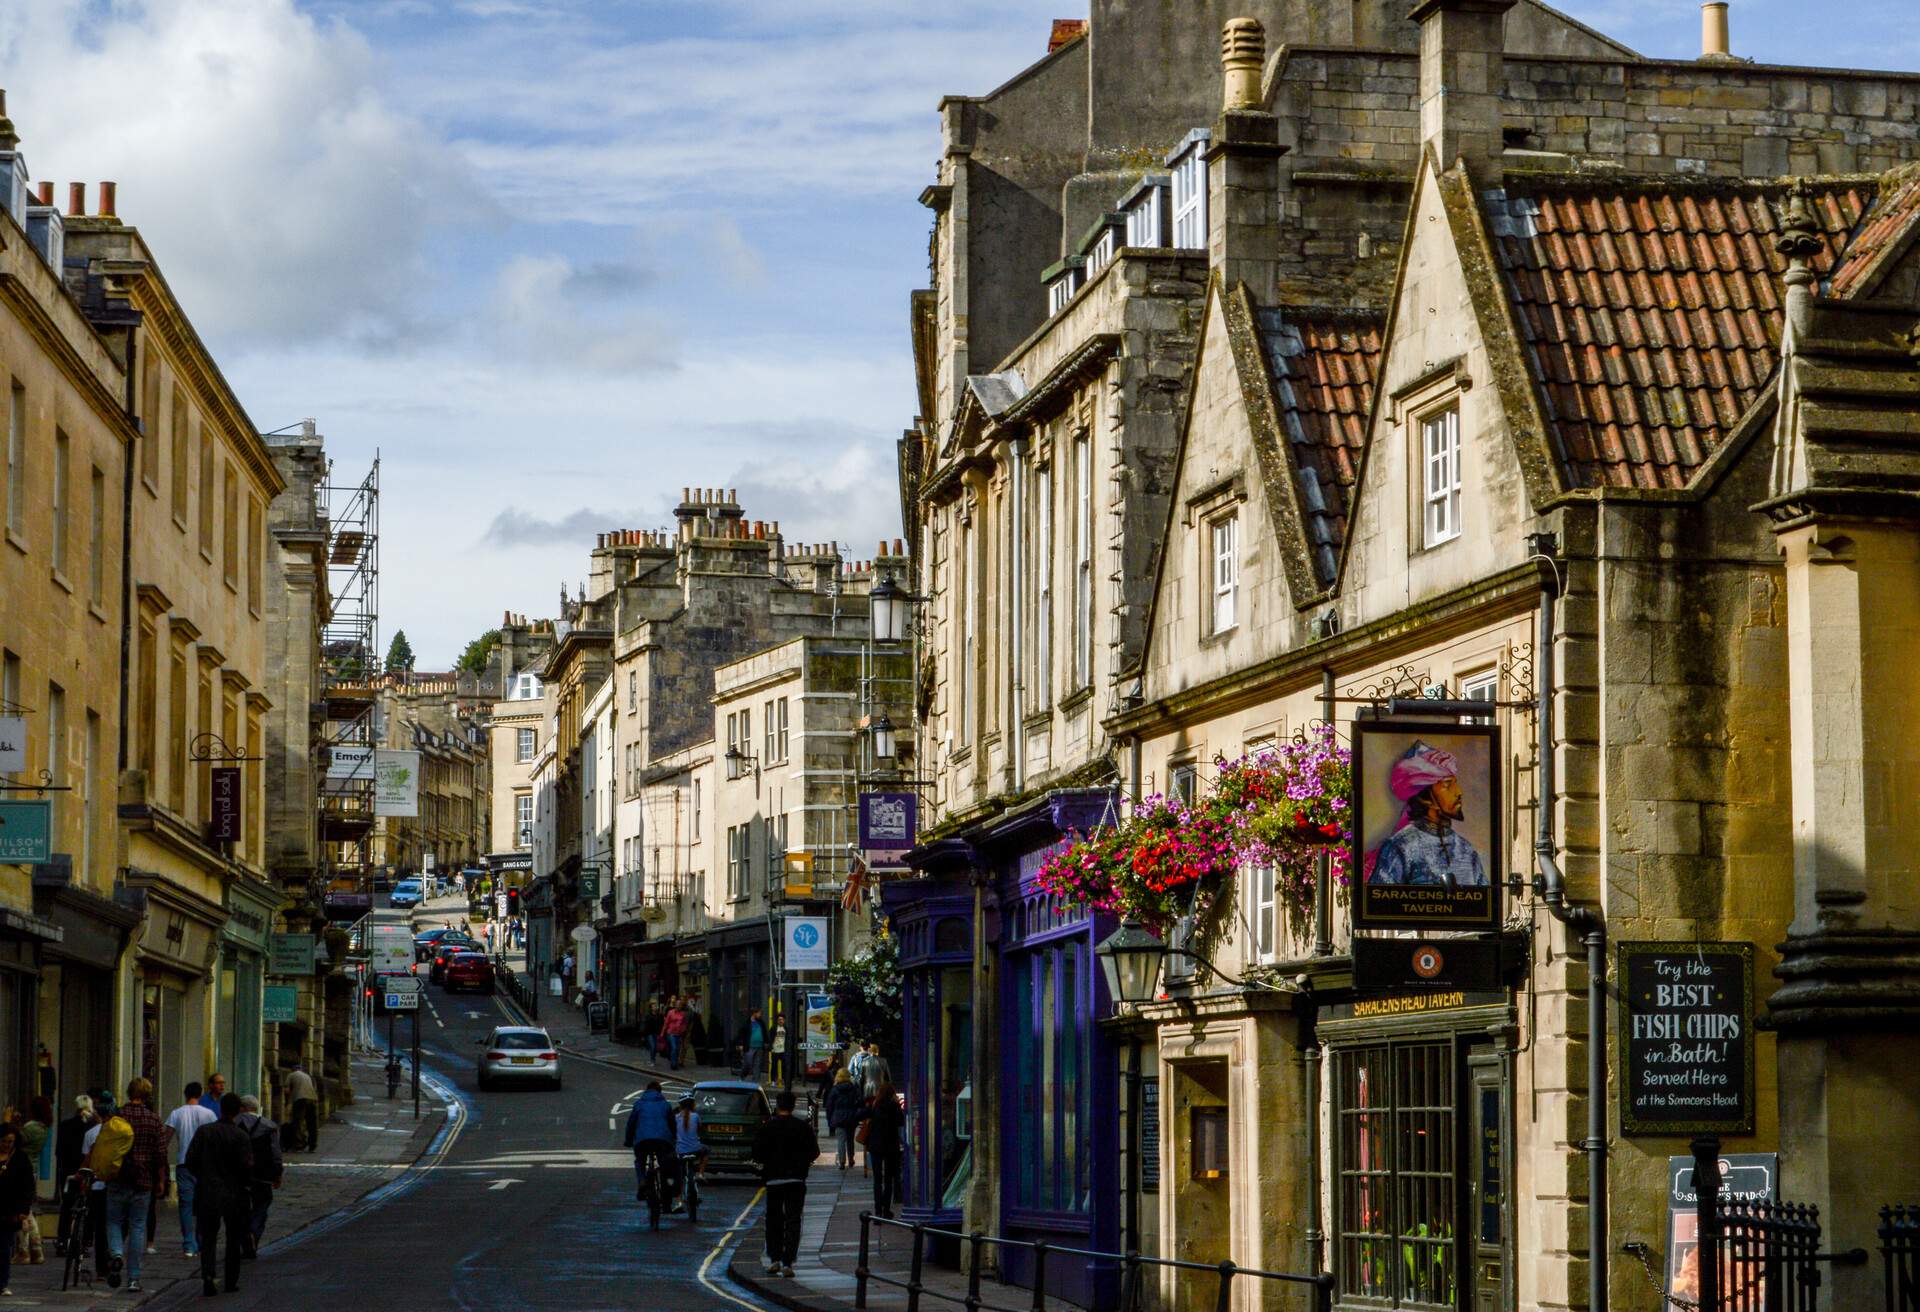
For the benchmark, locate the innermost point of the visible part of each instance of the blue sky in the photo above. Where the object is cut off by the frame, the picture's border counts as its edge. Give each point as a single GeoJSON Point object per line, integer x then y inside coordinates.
{"type": "Point", "coordinates": [557, 259]}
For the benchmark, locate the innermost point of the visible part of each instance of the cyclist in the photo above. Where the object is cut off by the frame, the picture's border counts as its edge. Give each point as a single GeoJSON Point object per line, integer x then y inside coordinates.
{"type": "Point", "coordinates": [686, 1138]}
{"type": "Point", "coordinates": [650, 1135]}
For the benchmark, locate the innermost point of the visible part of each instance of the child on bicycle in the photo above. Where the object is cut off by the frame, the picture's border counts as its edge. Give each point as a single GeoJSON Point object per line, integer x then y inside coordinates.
{"type": "Point", "coordinates": [686, 1135]}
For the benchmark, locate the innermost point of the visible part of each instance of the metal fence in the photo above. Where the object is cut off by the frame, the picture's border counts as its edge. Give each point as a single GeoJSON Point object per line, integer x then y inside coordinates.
{"type": "Point", "coordinates": [1133, 1269]}
{"type": "Point", "coordinates": [1758, 1255]}
{"type": "Point", "coordinates": [1900, 1250]}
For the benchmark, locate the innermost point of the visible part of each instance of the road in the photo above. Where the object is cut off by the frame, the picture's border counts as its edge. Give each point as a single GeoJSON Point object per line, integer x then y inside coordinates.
{"type": "Point", "coordinates": [531, 1205]}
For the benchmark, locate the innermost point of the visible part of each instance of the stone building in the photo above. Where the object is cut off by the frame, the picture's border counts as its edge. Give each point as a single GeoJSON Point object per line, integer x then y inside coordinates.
{"type": "Point", "coordinates": [443, 718]}
{"type": "Point", "coordinates": [1486, 344]}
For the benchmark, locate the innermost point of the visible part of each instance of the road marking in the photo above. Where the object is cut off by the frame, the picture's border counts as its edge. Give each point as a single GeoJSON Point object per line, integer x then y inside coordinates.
{"type": "Point", "coordinates": [434, 1012]}
{"type": "Point", "coordinates": [725, 1239]}
{"type": "Point", "coordinates": [498, 1185]}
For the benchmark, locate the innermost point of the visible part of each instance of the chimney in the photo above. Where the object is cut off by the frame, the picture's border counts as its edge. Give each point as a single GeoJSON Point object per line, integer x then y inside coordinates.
{"type": "Point", "coordinates": [1243, 170]}
{"type": "Point", "coordinates": [77, 198]}
{"type": "Point", "coordinates": [9, 139]}
{"type": "Point", "coordinates": [1064, 31]}
{"type": "Point", "coordinates": [1462, 81]}
{"type": "Point", "coordinates": [107, 190]}
{"type": "Point", "coordinates": [1713, 30]}
{"type": "Point", "coordinates": [46, 193]}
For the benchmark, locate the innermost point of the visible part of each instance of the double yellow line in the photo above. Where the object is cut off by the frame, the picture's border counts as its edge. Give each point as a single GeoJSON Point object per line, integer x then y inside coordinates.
{"type": "Point", "coordinates": [714, 1256]}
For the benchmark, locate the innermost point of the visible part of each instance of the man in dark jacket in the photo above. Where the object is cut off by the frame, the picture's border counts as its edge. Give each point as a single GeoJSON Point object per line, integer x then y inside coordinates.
{"type": "Point", "coordinates": [269, 1167]}
{"type": "Point", "coordinates": [785, 1147]}
{"type": "Point", "coordinates": [650, 1135]}
{"type": "Point", "coordinates": [221, 1159]}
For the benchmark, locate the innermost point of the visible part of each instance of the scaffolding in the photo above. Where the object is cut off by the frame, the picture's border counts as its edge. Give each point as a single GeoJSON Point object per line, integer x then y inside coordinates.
{"type": "Point", "coordinates": [350, 665]}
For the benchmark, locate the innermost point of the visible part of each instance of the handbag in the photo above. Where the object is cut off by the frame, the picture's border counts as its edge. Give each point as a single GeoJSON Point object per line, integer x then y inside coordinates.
{"type": "Point", "coordinates": [860, 1135]}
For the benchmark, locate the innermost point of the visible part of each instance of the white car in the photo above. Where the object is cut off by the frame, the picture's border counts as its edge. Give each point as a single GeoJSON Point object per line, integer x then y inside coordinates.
{"type": "Point", "coordinates": [518, 1052]}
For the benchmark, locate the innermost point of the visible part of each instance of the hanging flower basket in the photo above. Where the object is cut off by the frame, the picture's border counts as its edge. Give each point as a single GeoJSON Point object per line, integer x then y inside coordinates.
{"type": "Point", "coordinates": [1152, 868]}
{"type": "Point", "coordinates": [1288, 805]}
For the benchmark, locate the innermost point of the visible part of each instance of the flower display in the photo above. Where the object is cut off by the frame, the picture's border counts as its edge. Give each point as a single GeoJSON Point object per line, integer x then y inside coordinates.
{"type": "Point", "coordinates": [1289, 804]}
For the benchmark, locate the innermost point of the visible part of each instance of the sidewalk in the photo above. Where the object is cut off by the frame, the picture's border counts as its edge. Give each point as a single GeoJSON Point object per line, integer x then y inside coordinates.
{"type": "Point", "coordinates": [363, 1146]}
{"type": "Point", "coordinates": [823, 1273]}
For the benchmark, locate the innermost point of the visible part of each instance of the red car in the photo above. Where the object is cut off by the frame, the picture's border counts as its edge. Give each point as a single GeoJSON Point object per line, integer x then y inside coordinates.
{"type": "Point", "coordinates": [468, 970]}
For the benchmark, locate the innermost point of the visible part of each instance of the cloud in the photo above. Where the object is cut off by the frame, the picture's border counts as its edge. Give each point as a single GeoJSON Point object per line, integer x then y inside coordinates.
{"type": "Point", "coordinates": [285, 197]}
{"type": "Point", "coordinates": [551, 313]}
{"type": "Point", "coordinates": [515, 527]}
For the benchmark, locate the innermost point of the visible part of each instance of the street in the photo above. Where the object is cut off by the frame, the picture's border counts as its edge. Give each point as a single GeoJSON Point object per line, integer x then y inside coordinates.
{"type": "Point", "coordinates": [530, 1205]}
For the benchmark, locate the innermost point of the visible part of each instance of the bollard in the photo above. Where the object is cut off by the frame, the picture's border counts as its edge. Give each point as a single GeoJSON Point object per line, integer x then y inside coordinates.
{"type": "Point", "coordinates": [972, 1303]}
{"type": "Point", "coordinates": [1225, 1301]}
{"type": "Point", "coordinates": [860, 1267]}
{"type": "Point", "coordinates": [1323, 1292]}
{"type": "Point", "coordinates": [1040, 1276]}
{"type": "Point", "coordinates": [913, 1272]}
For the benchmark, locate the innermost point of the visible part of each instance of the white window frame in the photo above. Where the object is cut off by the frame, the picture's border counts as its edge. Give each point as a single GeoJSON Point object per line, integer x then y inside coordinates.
{"type": "Point", "coordinates": [1481, 686]}
{"type": "Point", "coordinates": [1263, 915]}
{"type": "Point", "coordinates": [1102, 253]}
{"type": "Point", "coordinates": [1223, 573]}
{"type": "Point", "coordinates": [1083, 561]}
{"type": "Point", "coordinates": [1183, 782]}
{"type": "Point", "coordinates": [1146, 218]}
{"type": "Point", "coordinates": [783, 740]}
{"type": "Point", "coordinates": [1440, 479]}
{"type": "Point", "coordinates": [772, 742]}
{"type": "Point", "coordinates": [1190, 198]}
{"type": "Point", "coordinates": [526, 745]}
{"type": "Point", "coordinates": [523, 819]}
{"type": "Point", "coordinates": [1059, 292]}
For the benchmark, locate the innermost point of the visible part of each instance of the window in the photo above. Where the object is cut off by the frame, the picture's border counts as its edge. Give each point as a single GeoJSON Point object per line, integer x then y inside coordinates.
{"type": "Point", "coordinates": [777, 738]}
{"type": "Point", "coordinates": [633, 691]}
{"type": "Point", "coordinates": [769, 750]}
{"type": "Point", "coordinates": [963, 599]}
{"type": "Point", "coordinates": [740, 734]}
{"type": "Point", "coordinates": [256, 553]}
{"type": "Point", "coordinates": [1263, 909]}
{"type": "Point", "coordinates": [62, 492]}
{"type": "Point", "coordinates": [1481, 687]}
{"type": "Point", "coordinates": [97, 539]}
{"type": "Point", "coordinates": [1186, 782]}
{"type": "Point", "coordinates": [177, 725]}
{"type": "Point", "coordinates": [1440, 447]}
{"type": "Point", "coordinates": [17, 462]}
{"type": "Point", "coordinates": [180, 461]}
{"type": "Point", "coordinates": [1043, 588]}
{"type": "Point", "coordinates": [1394, 1207]}
{"type": "Point", "coordinates": [1082, 562]}
{"type": "Point", "coordinates": [1190, 195]}
{"type": "Point", "coordinates": [696, 808]}
{"type": "Point", "coordinates": [147, 683]}
{"type": "Point", "coordinates": [230, 527]}
{"type": "Point", "coordinates": [57, 753]}
{"type": "Point", "coordinates": [776, 850]}
{"type": "Point", "coordinates": [1059, 292]}
{"type": "Point", "coordinates": [1049, 1168]}
{"type": "Point", "coordinates": [738, 846]}
{"type": "Point", "coordinates": [206, 491]}
{"type": "Point", "coordinates": [1223, 537]}
{"type": "Point", "coordinates": [1102, 253]}
{"type": "Point", "coordinates": [524, 748]}
{"type": "Point", "coordinates": [1146, 217]}
{"type": "Point", "coordinates": [523, 820]}
{"type": "Point", "coordinates": [10, 686]}
{"type": "Point", "coordinates": [89, 770]}
{"type": "Point", "coordinates": [150, 427]}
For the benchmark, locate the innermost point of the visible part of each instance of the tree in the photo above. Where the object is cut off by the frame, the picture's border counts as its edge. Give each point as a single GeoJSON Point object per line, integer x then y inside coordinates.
{"type": "Point", "coordinates": [400, 653]}
{"type": "Point", "coordinates": [474, 659]}
{"type": "Point", "coordinates": [866, 995]}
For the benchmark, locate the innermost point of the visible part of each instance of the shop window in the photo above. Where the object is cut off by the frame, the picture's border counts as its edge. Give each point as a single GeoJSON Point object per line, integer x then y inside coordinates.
{"type": "Point", "coordinates": [1397, 1184]}
{"type": "Point", "coordinates": [1207, 1146]}
{"type": "Point", "coordinates": [1050, 1088]}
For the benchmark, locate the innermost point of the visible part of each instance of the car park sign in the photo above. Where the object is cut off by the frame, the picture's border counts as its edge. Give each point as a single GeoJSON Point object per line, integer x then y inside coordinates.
{"type": "Point", "coordinates": [402, 992]}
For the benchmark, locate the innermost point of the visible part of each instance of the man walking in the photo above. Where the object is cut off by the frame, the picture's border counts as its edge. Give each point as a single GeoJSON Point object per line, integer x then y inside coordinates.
{"type": "Point", "coordinates": [216, 1089]}
{"type": "Point", "coordinates": [131, 1189]}
{"type": "Point", "coordinates": [304, 1098]}
{"type": "Point", "coordinates": [752, 1044]}
{"type": "Point", "coordinates": [221, 1160]}
{"type": "Point", "coordinates": [268, 1167]}
{"type": "Point", "coordinates": [674, 1027]}
{"type": "Point", "coordinates": [785, 1147]}
{"type": "Point", "coordinates": [183, 1123]}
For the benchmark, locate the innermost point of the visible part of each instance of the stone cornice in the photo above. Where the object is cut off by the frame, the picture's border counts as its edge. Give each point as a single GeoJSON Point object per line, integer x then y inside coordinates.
{"type": "Point", "coordinates": [40, 325]}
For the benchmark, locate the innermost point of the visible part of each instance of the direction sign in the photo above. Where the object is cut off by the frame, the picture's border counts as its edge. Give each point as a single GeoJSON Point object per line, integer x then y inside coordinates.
{"type": "Point", "coordinates": [401, 984]}
{"type": "Point", "coordinates": [402, 1001]}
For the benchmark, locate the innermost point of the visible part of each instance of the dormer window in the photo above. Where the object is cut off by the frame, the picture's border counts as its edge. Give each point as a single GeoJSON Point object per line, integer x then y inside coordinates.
{"type": "Point", "coordinates": [1062, 280]}
{"type": "Point", "coordinates": [1190, 192]}
{"type": "Point", "coordinates": [1146, 210]}
{"type": "Point", "coordinates": [1223, 538]}
{"type": "Point", "coordinates": [1101, 254]}
{"type": "Point", "coordinates": [1440, 460]}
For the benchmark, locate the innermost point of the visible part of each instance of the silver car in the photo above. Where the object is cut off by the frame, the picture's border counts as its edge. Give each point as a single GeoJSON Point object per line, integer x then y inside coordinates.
{"type": "Point", "coordinates": [518, 1052]}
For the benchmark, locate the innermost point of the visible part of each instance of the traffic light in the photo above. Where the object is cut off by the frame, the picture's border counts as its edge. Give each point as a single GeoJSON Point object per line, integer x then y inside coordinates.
{"type": "Point", "coordinates": [513, 901]}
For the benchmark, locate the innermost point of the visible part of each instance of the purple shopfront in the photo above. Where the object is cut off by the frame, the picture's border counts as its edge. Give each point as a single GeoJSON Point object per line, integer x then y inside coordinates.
{"type": "Point", "coordinates": [1054, 1071]}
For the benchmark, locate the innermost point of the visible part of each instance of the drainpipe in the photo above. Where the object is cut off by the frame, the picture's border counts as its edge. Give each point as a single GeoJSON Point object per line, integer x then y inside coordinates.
{"type": "Point", "coordinates": [1550, 886]}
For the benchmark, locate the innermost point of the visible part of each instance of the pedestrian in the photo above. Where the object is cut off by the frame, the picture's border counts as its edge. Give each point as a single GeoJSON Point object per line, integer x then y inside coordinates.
{"type": "Point", "coordinates": [843, 1114]}
{"type": "Point", "coordinates": [650, 1135]}
{"type": "Point", "coordinates": [68, 1153]}
{"type": "Point", "coordinates": [751, 1044]}
{"type": "Point", "coordinates": [566, 974]}
{"type": "Point", "coordinates": [36, 1143]}
{"type": "Point", "coordinates": [16, 1199]}
{"type": "Point", "coordinates": [184, 1122]}
{"type": "Point", "coordinates": [215, 1090]}
{"type": "Point", "coordinates": [103, 1114]}
{"type": "Point", "coordinates": [304, 1097]}
{"type": "Point", "coordinates": [876, 1072]}
{"type": "Point", "coordinates": [268, 1168]}
{"type": "Point", "coordinates": [132, 1182]}
{"type": "Point", "coordinates": [886, 1123]}
{"type": "Point", "coordinates": [650, 1033]}
{"type": "Point", "coordinates": [674, 1026]}
{"type": "Point", "coordinates": [695, 1039]}
{"type": "Point", "coordinates": [221, 1160]}
{"type": "Point", "coordinates": [785, 1148]}
{"type": "Point", "coordinates": [589, 992]}
{"type": "Point", "coordinates": [777, 1047]}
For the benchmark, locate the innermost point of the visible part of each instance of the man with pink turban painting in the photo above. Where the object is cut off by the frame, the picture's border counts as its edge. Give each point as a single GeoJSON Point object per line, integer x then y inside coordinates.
{"type": "Point", "coordinates": [1424, 848]}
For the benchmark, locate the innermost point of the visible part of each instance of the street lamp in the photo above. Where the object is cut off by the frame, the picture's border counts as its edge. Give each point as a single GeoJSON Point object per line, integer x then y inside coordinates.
{"type": "Point", "coordinates": [884, 746]}
{"type": "Point", "coordinates": [891, 608]}
{"type": "Point", "coordinates": [1131, 959]}
{"type": "Point", "coordinates": [738, 762]}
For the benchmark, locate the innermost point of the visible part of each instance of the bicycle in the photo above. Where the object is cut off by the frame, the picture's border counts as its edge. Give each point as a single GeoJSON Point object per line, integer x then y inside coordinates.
{"type": "Point", "coordinates": [653, 1191]}
{"type": "Point", "coordinates": [80, 1233]}
{"type": "Point", "coordinates": [690, 1184]}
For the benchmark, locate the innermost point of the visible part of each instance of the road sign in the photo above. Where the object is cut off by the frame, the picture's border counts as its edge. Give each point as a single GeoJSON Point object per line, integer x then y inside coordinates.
{"type": "Point", "coordinates": [401, 984]}
{"type": "Point", "coordinates": [402, 1001]}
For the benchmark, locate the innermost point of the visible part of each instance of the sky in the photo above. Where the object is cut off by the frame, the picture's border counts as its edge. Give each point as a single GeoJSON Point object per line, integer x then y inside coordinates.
{"type": "Point", "coordinates": [554, 260]}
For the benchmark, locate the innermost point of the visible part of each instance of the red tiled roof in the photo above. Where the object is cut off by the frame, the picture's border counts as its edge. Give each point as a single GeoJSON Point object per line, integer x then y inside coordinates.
{"type": "Point", "coordinates": [1882, 234]}
{"type": "Point", "coordinates": [1324, 363]}
{"type": "Point", "coordinates": [1651, 312]}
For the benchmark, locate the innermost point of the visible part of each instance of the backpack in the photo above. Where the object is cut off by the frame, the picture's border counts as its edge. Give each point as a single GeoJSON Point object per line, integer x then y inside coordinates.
{"type": "Point", "coordinates": [111, 1148]}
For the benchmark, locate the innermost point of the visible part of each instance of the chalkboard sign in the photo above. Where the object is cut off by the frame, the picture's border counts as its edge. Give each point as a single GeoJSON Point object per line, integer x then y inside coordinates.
{"type": "Point", "coordinates": [1150, 1134]}
{"type": "Point", "coordinates": [599, 1017]}
{"type": "Point", "coordinates": [1686, 1038]}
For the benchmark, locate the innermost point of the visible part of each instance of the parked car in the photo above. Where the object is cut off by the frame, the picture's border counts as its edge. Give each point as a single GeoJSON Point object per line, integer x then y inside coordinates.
{"type": "Point", "coordinates": [468, 970]}
{"type": "Point", "coordinates": [518, 1052]}
{"type": "Point", "coordinates": [424, 941]}
{"type": "Point", "coordinates": [731, 1113]}
{"type": "Point", "coordinates": [443, 950]}
{"type": "Point", "coordinates": [406, 894]}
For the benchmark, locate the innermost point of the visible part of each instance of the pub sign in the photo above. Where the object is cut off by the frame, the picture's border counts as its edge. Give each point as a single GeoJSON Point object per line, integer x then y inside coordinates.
{"type": "Point", "coordinates": [223, 825]}
{"type": "Point", "coordinates": [1686, 1038]}
{"type": "Point", "coordinates": [1426, 825]}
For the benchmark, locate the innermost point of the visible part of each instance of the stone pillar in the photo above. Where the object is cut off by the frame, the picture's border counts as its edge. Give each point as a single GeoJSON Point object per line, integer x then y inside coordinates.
{"type": "Point", "coordinates": [1462, 79]}
{"type": "Point", "coordinates": [1243, 171]}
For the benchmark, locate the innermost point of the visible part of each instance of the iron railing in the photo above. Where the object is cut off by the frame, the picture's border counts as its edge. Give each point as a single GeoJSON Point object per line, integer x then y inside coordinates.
{"type": "Point", "coordinates": [1757, 1255]}
{"type": "Point", "coordinates": [1132, 1267]}
{"type": "Point", "coordinates": [1900, 1249]}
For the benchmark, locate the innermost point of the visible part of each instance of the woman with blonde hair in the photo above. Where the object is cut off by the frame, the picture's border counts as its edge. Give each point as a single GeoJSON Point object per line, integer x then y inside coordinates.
{"type": "Point", "coordinates": [843, 1114]}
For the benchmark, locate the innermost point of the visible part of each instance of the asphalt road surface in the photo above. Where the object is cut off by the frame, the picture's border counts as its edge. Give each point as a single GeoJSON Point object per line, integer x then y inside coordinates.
{"type": "Point", "coordinates": [530, 1205]}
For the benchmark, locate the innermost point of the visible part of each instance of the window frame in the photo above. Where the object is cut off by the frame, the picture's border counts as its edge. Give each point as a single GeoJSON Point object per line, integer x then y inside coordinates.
{"type": "Point", "coordinates": [17, 462]}
{"type": "Point", "coordinates": [1189, 198]}
{"type": "Point", "coordinates": [1043, 586]}
{"type": "Point", "coordinates": [1442, 494]}
{"type": "Point", "coordinates": [1223, 584]}
{"type": "Point", "coordinates": [526, 744]}
{"type": "Point", "coordinates": [1083, 560]}
{"type": "Point", "coordinates": [523, 819]}
{"type": "Point", "coordinates": [61, 553]}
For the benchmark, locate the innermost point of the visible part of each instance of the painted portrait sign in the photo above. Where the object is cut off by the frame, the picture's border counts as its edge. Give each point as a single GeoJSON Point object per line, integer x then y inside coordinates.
{"type": "Point", "coordinates": [1426, 825]}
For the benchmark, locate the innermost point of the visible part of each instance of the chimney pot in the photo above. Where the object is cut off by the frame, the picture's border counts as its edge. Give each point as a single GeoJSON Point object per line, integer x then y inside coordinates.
{"type": "Point", "coordinates": [107, 190]}
{"type": "Point", "coordinates": [46, 193]}
{"type": "Point", "coordinates": [1243, 53]}
{"type": "Point", "coordinates": [1713, 30]}
{"type": "Point", "coordinates": [898, 548]}
{"type": "Point", "coordinates": [76, 198]}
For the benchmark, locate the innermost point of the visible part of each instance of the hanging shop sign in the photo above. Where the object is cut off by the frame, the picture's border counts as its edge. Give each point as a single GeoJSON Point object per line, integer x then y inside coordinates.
{"type": "Point", "coordinates": [396, 783]}
{"type": "Point", "coordinates": [26, 829]}
{"type": "Point", "coordinates": [347, 763]}
{"type": "Point", "coordinates": [13, 743]}
{"type": "Point", "coordinates": [223, 804]}
{"type": "Point", "coordinates": [888, 824]}
{"type": "Point", "coordinates": [1744, 1178]}
{"type": "Point", "coordinates": [279, 1004]}
{"type": "Point", "coordinates": [803, 942]}
{"type": "Point", "coordinates": [796, 870]}
{"type": "Point", "coordinates": [1476, 964]}
{"type": "Point", "coordinates": [290, 954]}
{"type": "Point", "coordinates": [819, 1024]}
{"type": "Point", "coordinates": [1686, 1038]}
{"type": "Point", "coordinates": [1426, 825]}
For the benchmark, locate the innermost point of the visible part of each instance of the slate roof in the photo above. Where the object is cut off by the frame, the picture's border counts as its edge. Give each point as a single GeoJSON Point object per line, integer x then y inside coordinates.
{"type": "Point", "coordinates": [1650, 310]}
{"type": "Point", "coordinates": [1323, 363]}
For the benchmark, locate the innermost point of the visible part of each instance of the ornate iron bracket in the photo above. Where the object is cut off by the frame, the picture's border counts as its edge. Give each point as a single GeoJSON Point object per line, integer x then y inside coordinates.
{"type": "Point", "coordinates": [46, 785]}
{"type": "Point", "coordinates": [211, 746]}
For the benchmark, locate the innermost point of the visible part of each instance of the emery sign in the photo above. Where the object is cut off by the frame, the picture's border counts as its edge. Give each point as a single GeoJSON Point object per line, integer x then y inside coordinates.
{"type": "Point", "coordinates": [1686, 1038]}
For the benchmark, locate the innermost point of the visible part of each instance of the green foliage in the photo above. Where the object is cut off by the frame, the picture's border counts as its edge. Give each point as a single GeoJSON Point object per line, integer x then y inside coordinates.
{"type": "Point", "coordinates": [474, 659]}
{"type": "Point", "coordinates": [399, 653]}
{"type": "Point", "coordinates": [866, 995]}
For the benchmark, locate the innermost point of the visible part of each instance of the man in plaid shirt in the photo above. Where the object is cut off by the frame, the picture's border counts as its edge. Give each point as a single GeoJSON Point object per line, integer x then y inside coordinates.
{"type": "Point", "coordinates": [143, 1176]}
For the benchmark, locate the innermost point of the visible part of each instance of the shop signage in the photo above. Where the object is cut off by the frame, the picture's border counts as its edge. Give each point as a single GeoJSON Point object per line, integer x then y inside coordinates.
{"type": "Point", "coordinates": [1426, 825]}
{"type": "Point", "coordinates": [498, 861]}
{"type": "Point", "coordinates": [803, 942]}
{"type": "Point", "coordinates": [396, 782]}
{"type": "Point", "coordinates": [347, 764]}
{"type": "Point", "coordinates": [290, 954]}
{"type": "Point", "coordinates": [223, 811]}
{"type": "Point", "coordinates": [588, 882]}
{"type": "Point", "coordinates": [888, 824]}
{"type": "Point", "coordinates": [1686, 1038]}
{"type": "Point", "coordinates": [13, 743]}
{"type": "Point", "coordinates": [599, 1017]}
{"type": "Point", "coordinates": [26, 829]}
{"type": "Point", "coordinates": [1150, 1134]}
{"type": "Point", "coordinates": [279, 1004]}
{"type": "Point", "coordinates": [1407, 1004]}
{"type": "Point", "coordinates": [1441, 963]}
{"type": "Point", "coordinates": [500, 906]}
{"type": "Point", "coordinates": [819, 1024]}
{"type": "Point", "coordinates": [1744, 1178]}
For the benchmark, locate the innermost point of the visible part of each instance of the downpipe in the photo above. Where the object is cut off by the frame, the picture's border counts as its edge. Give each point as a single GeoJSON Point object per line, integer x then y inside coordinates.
{"type": "Point", "coordinates": [1550, 886]}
